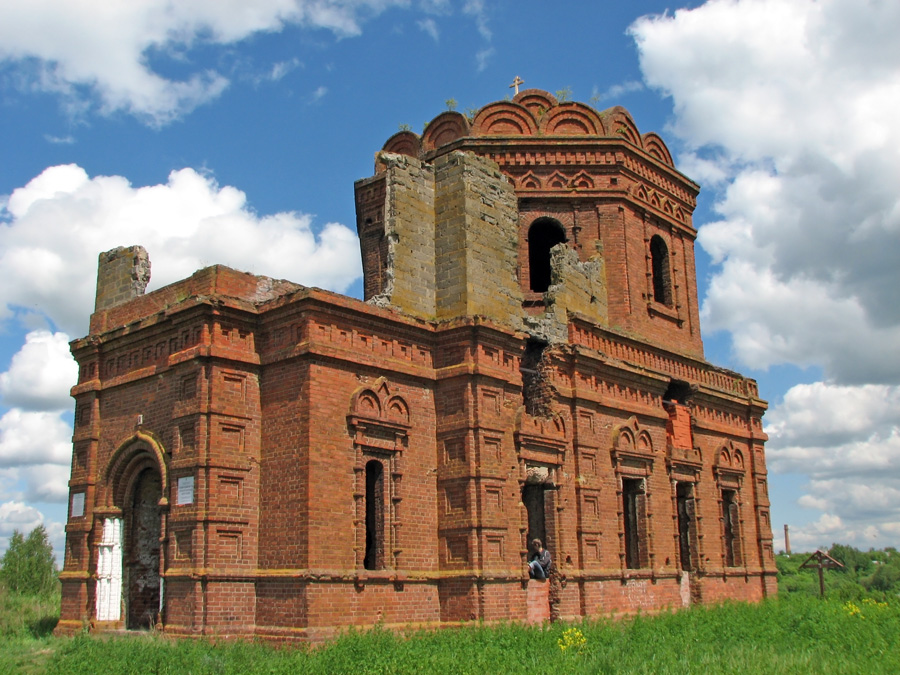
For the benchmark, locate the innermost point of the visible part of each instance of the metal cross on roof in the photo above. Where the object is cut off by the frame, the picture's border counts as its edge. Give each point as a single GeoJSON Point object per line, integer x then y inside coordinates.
{"type": "Point", "coordinates": [516, 83]}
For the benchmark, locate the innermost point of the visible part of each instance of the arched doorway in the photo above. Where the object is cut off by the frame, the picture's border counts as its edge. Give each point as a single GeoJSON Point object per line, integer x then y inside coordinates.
{"type": "Point", "coordinates": [129, 554]}
{"type": "Point", "coordinates": [142, 551]}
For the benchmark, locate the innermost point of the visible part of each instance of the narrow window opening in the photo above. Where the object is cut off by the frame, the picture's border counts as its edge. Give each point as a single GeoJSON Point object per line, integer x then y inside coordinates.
{"type": "Point", "coordinates": [537, 390]}
{"type": "Point", "coordinates": [731, 522]}
{"type": "Point", "coordinates": [533, 498]}
{"type": "Point", "coordinates": [634, 502]}
{"type": "Point", "coordinates": [544, 234]}
{"type": "Point", "coordinates": [687, 529]}
{"type": "Point", "coordinates": [662, 279]}
{"type": "Point", "coordinates": [374, 558]}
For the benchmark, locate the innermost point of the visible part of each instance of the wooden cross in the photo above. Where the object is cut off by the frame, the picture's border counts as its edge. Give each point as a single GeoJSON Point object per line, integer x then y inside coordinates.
{"type": "Point", "coordinates": [822, 561]}
{"type": "Point", "coordinates": [516, 83]}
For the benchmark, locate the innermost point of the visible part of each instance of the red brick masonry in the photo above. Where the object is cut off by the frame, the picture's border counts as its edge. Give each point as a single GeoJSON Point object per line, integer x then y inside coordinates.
{"type": "Point", "coordinates": [317, 461]}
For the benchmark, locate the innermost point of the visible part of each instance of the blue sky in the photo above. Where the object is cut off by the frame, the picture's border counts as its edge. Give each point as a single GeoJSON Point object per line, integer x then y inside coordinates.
{"type": "Point", "coordinates": [232, 132]}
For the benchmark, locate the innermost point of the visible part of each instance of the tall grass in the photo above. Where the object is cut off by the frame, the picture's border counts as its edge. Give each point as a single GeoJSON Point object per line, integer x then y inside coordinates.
{"type": "Point", "coordinates": [25, 616]}
{"type": "Point", "coordinates": [789, 635]}
{"type": "Point", "coordinates": [26, 625]}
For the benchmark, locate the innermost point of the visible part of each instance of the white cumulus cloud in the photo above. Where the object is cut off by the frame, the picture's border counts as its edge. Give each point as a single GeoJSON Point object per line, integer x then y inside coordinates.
{"type": "Point", "coordinates": [15, 515]}
{"type": "Point", "coordinates": [59, 222]}
{"type": "Point", "coordinates": [40, 374]}
{"type": "Point", "coordinates": [34, 438]}
{"type": "Point", "coordinates": [105, 48]}
{"type": "Point", "coordinates": [788, 108]}
{"type": "Point", "coordinates": [53, 229]}
{"type": "Point", "coordinates": [429, 26]}
{"type": "Point", "coordinates": [793, 103]}
{"type": "Point", "coordinates": [846, 439]}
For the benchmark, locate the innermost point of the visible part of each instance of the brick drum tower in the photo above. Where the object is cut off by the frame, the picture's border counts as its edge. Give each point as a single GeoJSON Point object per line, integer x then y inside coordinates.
{"type": "Point", "coordinates": [254, 457]}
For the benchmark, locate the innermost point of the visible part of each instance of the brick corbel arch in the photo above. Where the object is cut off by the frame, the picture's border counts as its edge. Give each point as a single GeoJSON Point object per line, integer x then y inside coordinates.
{"type": "Point", "coordinates": [632, 448]}
{"type": "Point", "coordinates": [140, 451]}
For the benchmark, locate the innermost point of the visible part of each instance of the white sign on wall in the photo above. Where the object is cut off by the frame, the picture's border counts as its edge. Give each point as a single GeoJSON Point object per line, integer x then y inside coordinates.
{"type": "Point", "coordinates": [77, 505]}
{"type": "Point", "coordinates": [185, 491]}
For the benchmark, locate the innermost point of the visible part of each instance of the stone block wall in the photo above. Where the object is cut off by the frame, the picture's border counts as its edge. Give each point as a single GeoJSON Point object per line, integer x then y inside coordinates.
{"type": "Point", "coordinates": [122, 274]}
{"type": "Point", "coordinates": [409, 229]}
{"type": "Point", "coordinates": [448, 244]}
{"type": "Point", "coordinates": [476, 240]}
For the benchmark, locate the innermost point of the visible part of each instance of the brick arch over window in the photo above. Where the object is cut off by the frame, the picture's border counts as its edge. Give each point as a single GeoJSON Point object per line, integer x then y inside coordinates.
{"type": "Point", "coordinates": [661, 271]}
{"type": "Point", "coordinates": [379, 424]}
{"type": "Point", "coordinates": [543, 235]}
{"type": "Point", "coordinates": [630, 439]}
{"type": "Point", "coordinates": [366, 402]}
{"type": "Point", "coordinates": [397, 409]}
{"type": "Point", "coordinates": [633, 456]}
{"type": "Point", "coordinates": [729, 471]}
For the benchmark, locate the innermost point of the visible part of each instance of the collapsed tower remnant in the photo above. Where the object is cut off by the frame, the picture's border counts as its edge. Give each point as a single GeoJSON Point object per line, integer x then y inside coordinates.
{"type": "Point", "coordinates": [254, 457]}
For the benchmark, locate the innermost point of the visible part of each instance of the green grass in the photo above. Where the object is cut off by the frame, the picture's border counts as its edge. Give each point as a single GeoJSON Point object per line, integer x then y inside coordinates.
{"type": "Point", "coordinates": [26, 625]}
{"type": "Point", "coordinates": [792, 634]}
{"type": "Point", "coordinates": [854, 630]}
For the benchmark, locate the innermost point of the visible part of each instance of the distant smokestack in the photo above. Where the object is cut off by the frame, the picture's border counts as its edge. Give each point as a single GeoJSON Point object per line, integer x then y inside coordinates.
{"type": "Point", "coordinates": [787, 540]}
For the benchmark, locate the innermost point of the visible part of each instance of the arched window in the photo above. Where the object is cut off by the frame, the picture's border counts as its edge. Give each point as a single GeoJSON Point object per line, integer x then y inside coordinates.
{"type": "Point", "coordinates": [374, 559]}
{"type": "Point", "coordinates": [544, 234]}
{"type": "Point", "coordinates": [662, 275]}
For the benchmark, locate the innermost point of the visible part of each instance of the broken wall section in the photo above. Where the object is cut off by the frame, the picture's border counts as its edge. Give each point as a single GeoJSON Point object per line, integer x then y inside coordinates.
{"type": "Point", "coordinates": [576, 287]}
{"type": "Point", "coordinates": [122, 274]}
{"type": "Point", "coordinates": [476, 247]}
{"type": "Point", "coordinates": [449, 244]}
{"type": "Point", "coordinates": [408, 275]}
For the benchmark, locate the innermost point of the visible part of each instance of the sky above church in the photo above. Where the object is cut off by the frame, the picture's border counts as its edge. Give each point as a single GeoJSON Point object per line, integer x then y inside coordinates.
{"type": "Point", "coordinates": [225, 131]}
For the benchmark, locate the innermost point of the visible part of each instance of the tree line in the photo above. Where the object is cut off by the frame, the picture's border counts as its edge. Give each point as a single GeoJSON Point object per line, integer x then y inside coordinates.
{"type": "Point", "coordinates": [874, 573]}
{"type": "Point", "coordinates": [28, 567]}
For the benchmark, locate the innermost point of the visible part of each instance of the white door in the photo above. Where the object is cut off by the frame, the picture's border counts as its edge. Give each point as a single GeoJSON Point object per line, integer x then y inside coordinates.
{"type": "Point", "coordinates": [109, 572]}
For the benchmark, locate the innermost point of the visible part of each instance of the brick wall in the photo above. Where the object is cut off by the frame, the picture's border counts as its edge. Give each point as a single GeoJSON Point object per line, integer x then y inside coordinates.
{"type": "Point", "coordinates": [327, 462]}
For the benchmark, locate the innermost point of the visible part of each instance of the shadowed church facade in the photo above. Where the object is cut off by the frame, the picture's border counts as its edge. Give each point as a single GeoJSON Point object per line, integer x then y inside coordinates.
{"type": "Point", "coordinates": [254, 457]}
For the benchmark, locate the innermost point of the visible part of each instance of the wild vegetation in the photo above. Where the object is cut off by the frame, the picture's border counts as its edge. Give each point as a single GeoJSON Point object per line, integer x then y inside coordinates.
{"type": "Point", "coordinates": [28, 566]}
{"type": "Point", "coordinates": [856, 629]}
{"type": "Point", "coordinates": [873, 573]}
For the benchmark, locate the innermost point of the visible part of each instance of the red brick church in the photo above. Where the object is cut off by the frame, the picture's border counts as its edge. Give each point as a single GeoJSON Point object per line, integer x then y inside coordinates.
{"type": "Point", "coordinates": [254, 457]}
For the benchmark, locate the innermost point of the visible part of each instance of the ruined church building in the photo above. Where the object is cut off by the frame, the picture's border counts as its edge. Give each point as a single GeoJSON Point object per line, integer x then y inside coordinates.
{"type": "Point", "coordinates": [255, 457]}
